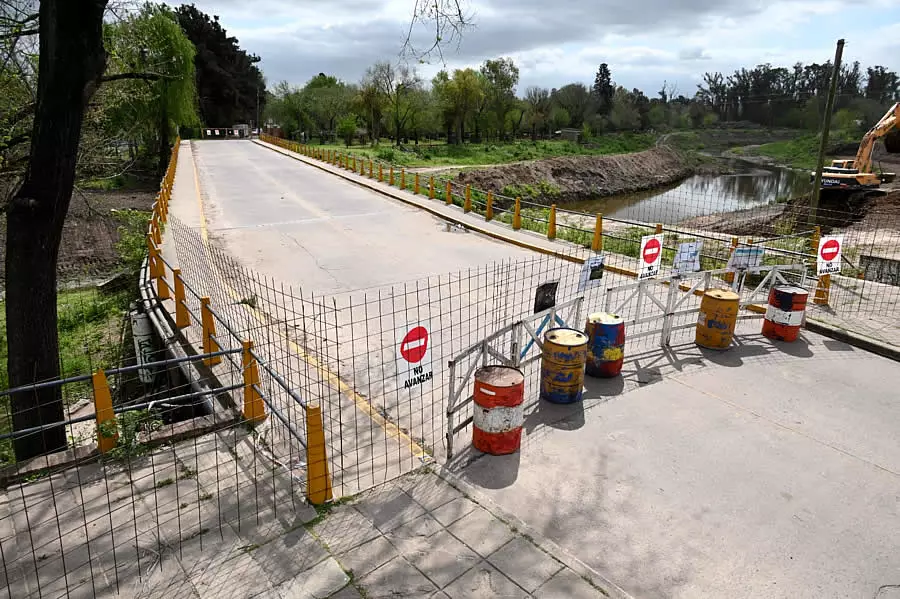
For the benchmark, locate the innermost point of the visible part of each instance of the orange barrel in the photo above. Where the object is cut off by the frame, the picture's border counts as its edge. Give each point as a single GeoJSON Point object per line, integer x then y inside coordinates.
{"type": "Point", "coordinates": [784, 315]}
{"type": "Point", "coordinates": [498, 413]}
{"type": "Point", "coordinates": [718, 317]}
{"type": "Point", "coordinates": [606, 344]}
{"type": "Point", "coordinates": [562, 365]}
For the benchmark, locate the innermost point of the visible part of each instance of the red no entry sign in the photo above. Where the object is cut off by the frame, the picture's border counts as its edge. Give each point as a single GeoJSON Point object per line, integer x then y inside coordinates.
{"type": "Point", "coordinates": [414, 345]}
{"type": "Point", "coordinates": [830, 250]}
{"type": "Point", "coordinates": [651, 251]}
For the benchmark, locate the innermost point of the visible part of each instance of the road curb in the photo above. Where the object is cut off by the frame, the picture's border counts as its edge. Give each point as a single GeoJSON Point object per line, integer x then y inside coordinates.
{"type": "Point", "coordinates": [884, 350]}
{"type": "Point", "coordinates": [606, 586]}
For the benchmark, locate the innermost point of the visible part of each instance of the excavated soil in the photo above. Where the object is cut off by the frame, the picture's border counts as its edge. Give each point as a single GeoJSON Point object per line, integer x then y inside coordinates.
{"type": "Point", "coordinates": [574, 178]}
{"type": "Point", "coordinates": [90, 234]}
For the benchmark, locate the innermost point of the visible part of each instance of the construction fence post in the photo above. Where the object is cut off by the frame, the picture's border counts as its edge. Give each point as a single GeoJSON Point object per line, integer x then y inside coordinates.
{"type": "Point", "coordinates": [489, 206]}
{"type": "Point", "coordinates": [107, 433]}
{"type": "Point", "coordinates": [823, 286]}
{"type": "Point", "coordinates": [182, 316]}
{"type": "Point", "coordinates": [254, 407]}
{"type": "Point", "coordinates": [597, 242]}
{"type": "Point", "coordinates": [318, 479]}
{"type": "Point", "coordinates": [210, 345]}
{"type": "Point", "coordinates": [517, 215]}
{"type": "Point", "coordinates": [551, 223]}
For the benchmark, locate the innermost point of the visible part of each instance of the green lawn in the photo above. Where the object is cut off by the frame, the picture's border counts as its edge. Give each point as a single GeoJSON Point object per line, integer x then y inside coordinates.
{"type": "Point", "coordinates": [441, 154]}
{"type": "Point", "coordinates": [798, 153]}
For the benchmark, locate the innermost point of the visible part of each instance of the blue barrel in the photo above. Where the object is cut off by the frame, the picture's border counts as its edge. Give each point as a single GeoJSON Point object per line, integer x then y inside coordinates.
{"type": "Point", "coordinates": [606, 344]}
{"type": "Point", "coordinates": [562, 365]}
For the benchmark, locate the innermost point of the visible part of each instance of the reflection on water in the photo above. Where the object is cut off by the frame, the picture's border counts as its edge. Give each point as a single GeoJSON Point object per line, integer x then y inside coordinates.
{"type": "Point", "coordinates": [751, 186]}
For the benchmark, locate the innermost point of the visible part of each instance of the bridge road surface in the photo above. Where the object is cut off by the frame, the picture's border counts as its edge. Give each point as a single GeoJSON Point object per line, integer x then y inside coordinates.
{"type": "Point", "coordinates": [315, 231]}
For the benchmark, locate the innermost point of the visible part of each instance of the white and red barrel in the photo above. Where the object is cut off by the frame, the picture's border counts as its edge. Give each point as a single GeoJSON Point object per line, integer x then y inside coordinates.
{"type": "Point", "coordinates": [785, 312]}
{"type": "Point", "coordinates": [498, 413]}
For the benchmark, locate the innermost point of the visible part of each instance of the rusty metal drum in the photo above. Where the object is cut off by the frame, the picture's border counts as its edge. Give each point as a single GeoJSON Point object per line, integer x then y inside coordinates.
{"type": "Point", "coordinates": [785, 312]}
{"type": "Point", "coordinates": [606, 344]}
{"type": "Point", "coordinates": [717, 319]}
{"type": "Point", "coordinates": [498, 413]}
{"type": "Point", "coordinates": [562, 365]}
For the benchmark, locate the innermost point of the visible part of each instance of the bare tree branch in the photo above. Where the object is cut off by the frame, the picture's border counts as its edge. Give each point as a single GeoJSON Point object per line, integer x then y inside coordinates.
{"type": "Point", "coordinates": [449, 19]}
{"type": "Point", "coordinates": [141, 76]}
{"type": "Point", "coordinates": [20, 33]}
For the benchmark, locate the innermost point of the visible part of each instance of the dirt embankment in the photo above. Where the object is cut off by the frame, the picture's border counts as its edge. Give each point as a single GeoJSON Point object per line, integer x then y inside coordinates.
{"type": "Point", "coordinates": [573, 178]}
{"type": "Point", "coordinates": [90, 233]}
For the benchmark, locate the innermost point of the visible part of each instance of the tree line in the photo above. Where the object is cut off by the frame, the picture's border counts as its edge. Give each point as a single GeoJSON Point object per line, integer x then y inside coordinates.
{"type": "Point", "coordinates": [485, 104]}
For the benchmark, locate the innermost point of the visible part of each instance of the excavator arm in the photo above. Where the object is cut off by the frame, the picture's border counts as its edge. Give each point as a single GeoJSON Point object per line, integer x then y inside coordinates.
{"type": "Point", "coordinates": [889, 125]}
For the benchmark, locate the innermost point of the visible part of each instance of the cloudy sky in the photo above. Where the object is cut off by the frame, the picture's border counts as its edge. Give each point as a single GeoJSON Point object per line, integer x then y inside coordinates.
{"type": "Point", "coordinates": [555, 42]}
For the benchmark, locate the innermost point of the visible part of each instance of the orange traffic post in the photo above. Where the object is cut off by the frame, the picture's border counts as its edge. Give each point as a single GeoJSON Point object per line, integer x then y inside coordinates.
{"type": "Point", "coordinates": [517, 215]}
{"type": "Point", "coordinates": [153, 262]}
{"type": "Point", "coordinates": [380, 174]}
{"type": "Point", "coordinates": [489, 206]}
{"type": "Point", "coordinates": [107, 430]}
{"type": "Point", "coordinates": [416, 185]}
{"type": "Point", "coordinates": [370, 170]}
{"type": "Point", "coordinates": [391, 177]}
{"type": "Point", "coordinates": [431, 187]}
{"type": "Point", "coordinates": [157, 235]}
{"type": "Point", "coordinates": [467, 204]}
{"type": "Point", "coordinates": [729, 276]}
{"type": "Point", "coordinates": [210, 345]}
{"type": "Point", "coordinates": [318, 479]}
{"type": "Point", "coordinates": [353, 164]}
{"type": "Point", "coordinates": [551, 223]}
{"type": "Point", "coordinates": [448, 194]}
{"type": "Point", "coordinates": [254, 407]}
{"type": "Point", "coordinates": [597, 242]}
{"type": "Point", "coordinates": [162, 287]}
{"type": "Point", "coordinates": [182, 316]}
{"type": "Point", "coordinates": [403, 178]}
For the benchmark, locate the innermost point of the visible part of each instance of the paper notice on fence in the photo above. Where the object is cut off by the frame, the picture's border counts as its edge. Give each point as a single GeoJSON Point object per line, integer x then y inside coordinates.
{"type": "Point", "coordinates": [591, 273]}
{"type": "Point", "coordinates": [746, 256]}
{"type": "Point", "coordinates": [687, 257]}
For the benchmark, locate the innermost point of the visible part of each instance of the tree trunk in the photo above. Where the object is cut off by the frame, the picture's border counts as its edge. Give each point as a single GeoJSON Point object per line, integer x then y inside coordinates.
{"type": "Point", "coordinates": [164, 152]}
{"type": "Point", "coordinates": [72, 59]}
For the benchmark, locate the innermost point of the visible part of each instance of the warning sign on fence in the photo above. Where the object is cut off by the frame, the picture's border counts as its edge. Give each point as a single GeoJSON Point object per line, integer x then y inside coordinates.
{"type": "Point", "coordinates": [687, 257]}
{"type": "Point", "coordinates": [414, 355]}
{"type": "Point", "coordinates": [591, 273]}
{"type": "Point", "coordinates": [650, 256]}
{"type": "Point", "coordinates": [828, 260]}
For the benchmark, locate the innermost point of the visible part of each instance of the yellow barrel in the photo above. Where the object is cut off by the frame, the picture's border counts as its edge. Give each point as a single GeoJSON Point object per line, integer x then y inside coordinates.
{"type": "Point", "coordinates": [718, 317]}
{"type": "Point", "coordinates": [562, 365]}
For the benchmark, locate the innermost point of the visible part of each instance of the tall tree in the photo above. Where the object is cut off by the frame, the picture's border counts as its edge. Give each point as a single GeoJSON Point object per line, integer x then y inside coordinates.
{"type": "Point", "coordinates": [398, 86]}
{"type": "Point", "coordinates": [229, 84]}
{"type": "Point", "coordinates": [501, 76]}
{"type": "Point", "coordinates": [70, 66]}
{"type": "Point", "coordinates": [575, 99]}
{"type": "Point", "coordinates": [603, 89]}
{"type": "Point", "coordinates": [538, 101]}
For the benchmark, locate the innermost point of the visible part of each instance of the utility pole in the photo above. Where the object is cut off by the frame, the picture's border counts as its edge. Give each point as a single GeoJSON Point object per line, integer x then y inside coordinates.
{"type": "Point", "coordinates": [258, 126]}
{"type": "Point", "coordinates": [826, 126]}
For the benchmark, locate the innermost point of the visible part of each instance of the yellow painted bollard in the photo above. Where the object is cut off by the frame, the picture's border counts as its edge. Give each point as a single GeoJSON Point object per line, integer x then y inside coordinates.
{"type": "Point", "coordinates": [210, 345]}
{"type": "Point", "coordinates": [391, 177]}
{"type": "Point", "coordinates": [107, 433]}
{"type": "Point", "coordinates": [153, 261]}
{"type": "Point", "coordinates": [517, 215]}
{"type": "Point", "coordinates": [416, 185]}
{"type": "Point", "coordinates": [729, 276]}
{"type": "Point", "coordinates": [318, 479]}
{"type": "Point", "coordinates": [659, 229]}
{"type": "Point", "coordinates": [403, 179]}
{"type": "Point", "coordinates": [551, 223]}
{"type": "Point", "coordinates": [489, 206]}
{"type": "Point", "coordinates": [370, 169]}
{"type": "Point", "coordinates": [182, 316]}
{"type": "Point", "coordinates": [162, 287]}
{"type": "Point", "coordinates": [718, 318]}
{"type": "Point", "coordinates": [467, 204]}
{"type": "Point", "coordinates": [380, 174]}
{"type": "Point", "coordinates": [157, 235]}
{"type": "Point", "coordinates": [431, 187]}
{"type": "Point", "coordinates": [353, 164]}
{"type": "Point", "coordinates": [597, 242]}
{"type": "Point", "coordinates": [448, 193]}
{"type": "Point", "coordinates": [254, 407]}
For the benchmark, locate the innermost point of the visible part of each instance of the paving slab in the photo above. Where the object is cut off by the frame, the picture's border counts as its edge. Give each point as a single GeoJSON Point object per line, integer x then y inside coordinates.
{"type": "Point", "coordinates": [569, 585]}
{"type": "Point", "coordinates": [319, 582]}
{"type": "Point", "coordinates": [397, 578]}
{"type": "Point", "coordinates": [481, 531]}
{"type": "Point", "coordinates": [484, 582]}
{"type": "Point", "coordinates": [366, 557]}
{"type": "Point", "coordinates": [525, 564]}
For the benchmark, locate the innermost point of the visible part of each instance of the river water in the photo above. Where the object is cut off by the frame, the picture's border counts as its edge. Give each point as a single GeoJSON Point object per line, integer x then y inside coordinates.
{"type": "Point", "coordinates": [751, 185]}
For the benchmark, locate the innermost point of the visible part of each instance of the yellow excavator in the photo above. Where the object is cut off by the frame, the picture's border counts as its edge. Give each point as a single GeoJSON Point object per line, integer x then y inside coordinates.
{"type": "Point", "coordinates": [855, 176]}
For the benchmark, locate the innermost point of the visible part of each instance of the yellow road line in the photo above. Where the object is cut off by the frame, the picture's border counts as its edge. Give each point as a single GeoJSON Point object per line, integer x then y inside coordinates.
{"type": "Point", "coordinates": [333, 380]}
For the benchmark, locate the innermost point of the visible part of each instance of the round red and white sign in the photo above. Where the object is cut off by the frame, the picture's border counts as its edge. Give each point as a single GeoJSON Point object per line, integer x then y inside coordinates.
{"type": "Point", "coordinates": [651, 251]}
{"type": "Point", "coordinates": [830, 250]}
{"type": "Point", "coordinates": [414, 345]}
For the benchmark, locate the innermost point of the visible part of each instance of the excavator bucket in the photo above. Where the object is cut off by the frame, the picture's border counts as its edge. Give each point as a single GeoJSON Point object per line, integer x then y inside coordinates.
{"type": "Point", "coordinates": [892, 142]}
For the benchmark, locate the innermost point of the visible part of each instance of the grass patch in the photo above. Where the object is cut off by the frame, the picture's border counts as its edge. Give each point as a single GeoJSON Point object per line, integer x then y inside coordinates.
{"type": "Point", "coordinates": [441, 154]}
{"type": "Point", "coordinates": [800, 152]}
{"type": "Point", "coordinates": [119, 182]}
